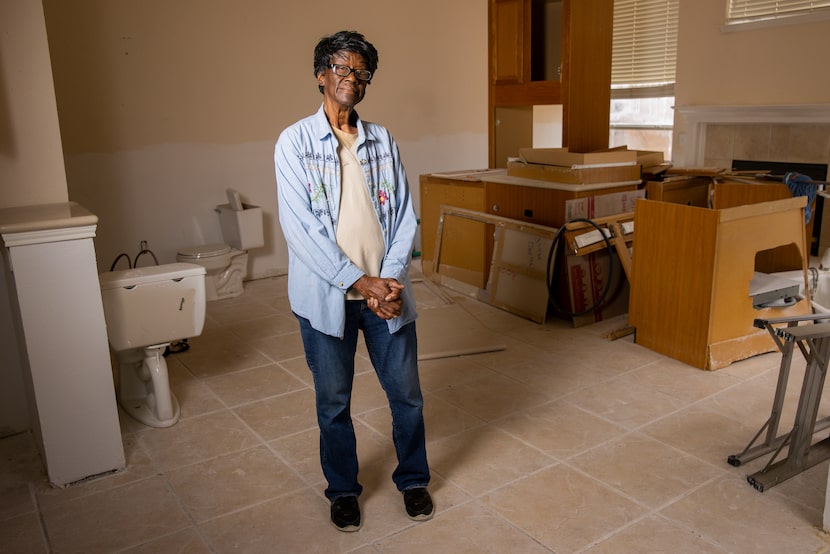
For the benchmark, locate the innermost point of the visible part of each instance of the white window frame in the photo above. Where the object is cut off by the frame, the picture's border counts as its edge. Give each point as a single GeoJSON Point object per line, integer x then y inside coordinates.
{"type": "Point", "coordinates": [746, 15]}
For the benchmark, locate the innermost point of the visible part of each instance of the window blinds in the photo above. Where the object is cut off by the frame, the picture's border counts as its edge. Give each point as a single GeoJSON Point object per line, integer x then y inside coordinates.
{"type": "Point", "coordinates": [644, 44]}
{"type": "Point", "coordinates": [742, 11]}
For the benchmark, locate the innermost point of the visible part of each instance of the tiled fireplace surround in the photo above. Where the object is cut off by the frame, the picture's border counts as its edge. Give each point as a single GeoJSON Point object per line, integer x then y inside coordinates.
{"type": "Point", "coordinates": [716, 135]}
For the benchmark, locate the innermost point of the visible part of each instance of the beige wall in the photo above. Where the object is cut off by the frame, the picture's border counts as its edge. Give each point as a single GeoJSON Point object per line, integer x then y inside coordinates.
{"type": "Point", "coordinates": [772, 66]}
{"type": "Point", "coordinates": [764, 67]}
{"type": "Point", "coordinates": [31, 161]}
{"type": "Point", "coordinates": [137, 73]}
{"type": "Point", "coordinates": [164, 104]}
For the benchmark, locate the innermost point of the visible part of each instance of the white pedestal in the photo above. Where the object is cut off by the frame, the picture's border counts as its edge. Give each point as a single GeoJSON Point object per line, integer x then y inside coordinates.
{"type": "Point", "coordinates": [53, 274]}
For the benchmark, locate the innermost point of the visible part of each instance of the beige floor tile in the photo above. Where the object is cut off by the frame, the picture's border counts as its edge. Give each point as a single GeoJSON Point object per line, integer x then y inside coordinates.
{"type": "Point", "coordinates": [193, 396]}
{"type": "Point", "coordinates": [560, 429]}
{"type": "Point", "coordinates": [22, 533]}
{"type": "Point", "coordinates": [298, 522]}
{"type": "Point", "coordinates": [232, 482]}
{"type": "Point", "coordinates": [268, 286]}
{"type": "Point", "coordinates": [563, 509]}
{"type": "Point", "coordinates": [492, 397]}
{"type": "Point", "coordinates": [229, 311]}
{"type": "Point", "coordinates": [375, 453]}
{"type": "Point", "coordinates": [139, 467]}
{"type": "Point", "coordinates": [807, 488]}
{"type": "Point", "coordinates": [182, 542]}
{"type": "Point", "coordinates": [655, 534]}
{"type": "Point", "coordinates": [250, 385]}
{"type": "Point", "coordinates": [482, 459]}
{"type": "Point", "coordinates": [280, 303]}
{"type": "Point", "coordinates": [680, 380]}
{"type": "Point", "coordinates": [302, 452]}
{"type": "Point", "coordinates": [559, 376]}
{"type": "Point", "coordinates": [222, 354]}
{"type": "Point", "coordinates": [625, 401]}
{"type": "Point", "coordinates": [646, 470]}
{"type": "Point", "coordinates": [280, 415]}
{"type": "Point", "coordinates": [281, 347]}
{"type": "Point", "coordinates": [298, 367]}
{"type": "Point", "coordinates": [565, 441]}
{"type": "Point", "coordinates": [705, 434]}
{"type": "Point", "coordinates": [19, 460]}
{"type": "Point", "coordinates": [483, 531]}
{"type": "Point", "coordinates": [735, 516]}
{"type": "Point", "coordinates": [440, 419]}
{"type": "Point", "coordinates": [16, 499]}
{"type": "Point", "coordinates": [442, 373]}
{"type": "Point", "coordinates": [196, 439]}
{"type": "Point", "coordinates": [367, 394]}
{"type": "Point", "coordinates": [615, 356]}
{"type": "Point", "coordinates": [264, 327]}
{"type": "Point", "coordinates": [115, 519]}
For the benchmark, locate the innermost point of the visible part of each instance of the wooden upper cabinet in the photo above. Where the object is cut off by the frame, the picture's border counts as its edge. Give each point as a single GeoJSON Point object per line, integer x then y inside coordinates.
{"type": "Point", "coordinates": [546, 52]}
{"type": "Point", "coordinates": [509, 41]}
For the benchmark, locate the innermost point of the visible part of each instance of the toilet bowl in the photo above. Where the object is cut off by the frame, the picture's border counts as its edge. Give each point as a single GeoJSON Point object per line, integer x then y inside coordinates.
{"type": "Point", "coordinates": [145, 309]}
{"type": "Point", "coordinates": [226, 264]}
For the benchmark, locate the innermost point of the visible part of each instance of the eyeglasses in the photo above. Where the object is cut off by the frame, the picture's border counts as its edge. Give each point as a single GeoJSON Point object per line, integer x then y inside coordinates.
{"type": "Point", "coordinates": [345, 71]}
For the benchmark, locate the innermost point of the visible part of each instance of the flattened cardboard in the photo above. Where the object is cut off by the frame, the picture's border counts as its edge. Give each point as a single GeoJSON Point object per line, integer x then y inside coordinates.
{"type": "Point", "coordinates": [564, 174]}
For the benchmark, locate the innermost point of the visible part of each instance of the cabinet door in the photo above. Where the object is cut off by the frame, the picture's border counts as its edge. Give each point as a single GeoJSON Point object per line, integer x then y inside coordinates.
{"type": "Point", "coordinates": [509, 41]}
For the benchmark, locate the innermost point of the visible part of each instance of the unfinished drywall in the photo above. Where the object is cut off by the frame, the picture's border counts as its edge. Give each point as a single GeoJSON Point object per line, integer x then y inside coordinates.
{"type": "Point", "coordinates": [767, 67]}
{"type": "Point", "coordinates": [31, 160]}
{"type": "Point", "coordinates": [163, 105]}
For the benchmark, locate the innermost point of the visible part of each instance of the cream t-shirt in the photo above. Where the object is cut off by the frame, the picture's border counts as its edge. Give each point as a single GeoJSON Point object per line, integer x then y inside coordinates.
{"type": "Point", "coordinates": [358, 232]}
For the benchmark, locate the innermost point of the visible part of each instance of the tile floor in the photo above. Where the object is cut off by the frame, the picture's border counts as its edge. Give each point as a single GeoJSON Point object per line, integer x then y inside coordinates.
{"type": "Point", "coordinates": [564, 442]}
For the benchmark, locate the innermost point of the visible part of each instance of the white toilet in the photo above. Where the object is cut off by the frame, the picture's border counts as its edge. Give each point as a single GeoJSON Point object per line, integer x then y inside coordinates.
{"type": "Point", "coordinates": [227, 264]}
{"type": "Point", "coordinates": [145, 309]}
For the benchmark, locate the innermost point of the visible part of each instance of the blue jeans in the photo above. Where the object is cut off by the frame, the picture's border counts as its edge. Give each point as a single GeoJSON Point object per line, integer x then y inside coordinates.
{"type": "Point", "coordinates": [395, 359]}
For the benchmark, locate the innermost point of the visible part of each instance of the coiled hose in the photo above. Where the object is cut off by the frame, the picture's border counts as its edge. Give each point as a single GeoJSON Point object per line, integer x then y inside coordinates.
{"type": "Point", "coordinates": [552, 275]}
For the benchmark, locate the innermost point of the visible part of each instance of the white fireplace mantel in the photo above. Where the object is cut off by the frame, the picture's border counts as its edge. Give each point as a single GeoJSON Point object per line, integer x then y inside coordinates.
{"type": "Point", "coordinates": [696, 118]}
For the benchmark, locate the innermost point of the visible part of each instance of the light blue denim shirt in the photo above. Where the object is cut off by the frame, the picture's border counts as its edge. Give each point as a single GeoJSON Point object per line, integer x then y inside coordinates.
{"type": "Point", "coordinates": [308, 194]}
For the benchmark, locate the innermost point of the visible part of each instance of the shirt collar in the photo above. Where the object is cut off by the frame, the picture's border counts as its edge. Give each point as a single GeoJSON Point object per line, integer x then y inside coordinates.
{"type": "Point", "coordinates": [323, 127]}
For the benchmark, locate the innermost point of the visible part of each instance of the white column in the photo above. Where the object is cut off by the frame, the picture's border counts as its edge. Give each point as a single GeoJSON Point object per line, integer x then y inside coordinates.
{"type": "Point", "coordinates": [60, 319]}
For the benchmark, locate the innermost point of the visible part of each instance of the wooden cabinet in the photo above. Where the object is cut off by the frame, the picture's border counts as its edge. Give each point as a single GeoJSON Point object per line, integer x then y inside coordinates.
{"type": "Point", "coordinates": [545, 52]}
{"type": "Point", "coordinates": [467, 246]}
{"type": "Point", "coordinates": [692, 269]}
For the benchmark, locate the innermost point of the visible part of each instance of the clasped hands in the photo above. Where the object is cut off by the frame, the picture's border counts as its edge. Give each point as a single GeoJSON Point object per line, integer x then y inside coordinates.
{"type": "Point", "coordinates": [383, 295]}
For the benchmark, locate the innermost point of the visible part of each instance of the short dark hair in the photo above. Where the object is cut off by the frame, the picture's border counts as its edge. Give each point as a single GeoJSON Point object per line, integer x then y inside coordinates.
{"type": "Point", "coordinates": [350, 41]}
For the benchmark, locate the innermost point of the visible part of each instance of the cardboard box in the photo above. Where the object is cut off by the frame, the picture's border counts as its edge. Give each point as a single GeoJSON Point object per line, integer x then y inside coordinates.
{"type": "Point", "coordinates": [561, 156]}
{"type": "Point", "coordinates": [565, 174]}
{"type": "Point", "coordinates": [649, 158]}
{"type": "Point", "coordinates": [592, 275]}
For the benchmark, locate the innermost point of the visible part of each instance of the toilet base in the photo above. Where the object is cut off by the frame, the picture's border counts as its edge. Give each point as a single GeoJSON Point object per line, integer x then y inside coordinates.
{"type": "Point", "coordinates": [141, 410]}
{"type": "Point", "coordinates": [144, 390]}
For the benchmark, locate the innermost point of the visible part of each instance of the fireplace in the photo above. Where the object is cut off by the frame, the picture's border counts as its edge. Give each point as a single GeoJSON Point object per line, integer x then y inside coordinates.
{"type": "Point", "coordinates": [790, 137]}
{"type": "Point", "coordinates": [713, 136]}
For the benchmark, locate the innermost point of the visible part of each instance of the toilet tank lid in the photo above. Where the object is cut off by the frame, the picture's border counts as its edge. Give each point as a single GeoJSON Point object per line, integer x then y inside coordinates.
{"type": "Point", "coordinates": [204, 250]}
{"type": "Point", "coordinates": [150, 274]}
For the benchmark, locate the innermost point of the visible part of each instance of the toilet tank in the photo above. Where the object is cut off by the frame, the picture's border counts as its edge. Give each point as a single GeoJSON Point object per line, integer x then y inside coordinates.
{"type": "Point", "coordinates": [243, 228]}
{"type": "Point", "coordinates": [153, 305]}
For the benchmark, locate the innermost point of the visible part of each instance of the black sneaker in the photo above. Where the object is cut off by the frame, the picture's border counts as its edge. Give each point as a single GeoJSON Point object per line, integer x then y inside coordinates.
{"type": "Point", "coordinates": [345, 513]}
{"type": "Point", "coordinates": [418, 504]}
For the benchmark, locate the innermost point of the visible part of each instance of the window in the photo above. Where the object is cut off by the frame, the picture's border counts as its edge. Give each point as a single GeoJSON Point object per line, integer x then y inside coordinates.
{"type": "Point", "coordinates": [643, 74]}
{"type": "Point", "coordinates": [761, 12]}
